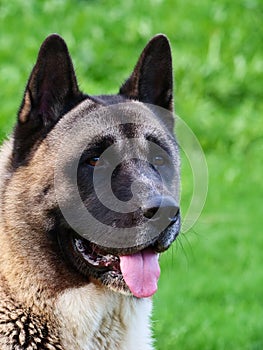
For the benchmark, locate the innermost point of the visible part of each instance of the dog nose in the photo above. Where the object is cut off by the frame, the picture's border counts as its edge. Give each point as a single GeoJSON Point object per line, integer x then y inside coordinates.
{"type": "Point", "coordinates": [161, 208]}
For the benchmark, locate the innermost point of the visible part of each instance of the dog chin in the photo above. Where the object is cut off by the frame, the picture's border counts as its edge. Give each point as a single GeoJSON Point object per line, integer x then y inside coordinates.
{"type": "Point", "coordinates": [115, 283]}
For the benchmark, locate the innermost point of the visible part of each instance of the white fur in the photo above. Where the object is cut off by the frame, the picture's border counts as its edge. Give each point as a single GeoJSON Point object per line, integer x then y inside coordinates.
{"type": "Point", "coordinates": [95, 318]}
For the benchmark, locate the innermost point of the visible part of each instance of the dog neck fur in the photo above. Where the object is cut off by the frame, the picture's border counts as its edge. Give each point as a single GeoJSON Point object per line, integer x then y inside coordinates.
{"type": "Point", "coordinates": [93, 318]}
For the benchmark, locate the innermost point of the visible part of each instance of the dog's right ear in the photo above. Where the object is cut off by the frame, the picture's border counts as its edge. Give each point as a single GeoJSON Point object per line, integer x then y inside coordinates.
{"type": "Point", "coordinates": [51, 91]}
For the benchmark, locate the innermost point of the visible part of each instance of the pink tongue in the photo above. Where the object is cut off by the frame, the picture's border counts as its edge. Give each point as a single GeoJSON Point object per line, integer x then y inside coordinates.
{"type": "Point", "coordinates": [141, 272]}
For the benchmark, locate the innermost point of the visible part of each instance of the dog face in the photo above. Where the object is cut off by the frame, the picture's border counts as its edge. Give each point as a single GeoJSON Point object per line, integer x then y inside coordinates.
{"type": "Point", "coordinates": [95, 179]}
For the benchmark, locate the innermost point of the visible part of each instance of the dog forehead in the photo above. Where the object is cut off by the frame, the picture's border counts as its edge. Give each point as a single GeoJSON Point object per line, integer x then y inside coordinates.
{"type": "Point", "coordinates": [90, 120]}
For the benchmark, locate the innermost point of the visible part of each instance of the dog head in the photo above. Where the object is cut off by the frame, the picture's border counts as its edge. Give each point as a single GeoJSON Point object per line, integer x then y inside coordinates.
{"type": "Point", "coordinates": [95, 179]}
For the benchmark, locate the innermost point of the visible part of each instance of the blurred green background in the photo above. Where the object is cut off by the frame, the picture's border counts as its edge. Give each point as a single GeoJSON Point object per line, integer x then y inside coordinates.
{"type": "Point", "coordinates": [211, 288]}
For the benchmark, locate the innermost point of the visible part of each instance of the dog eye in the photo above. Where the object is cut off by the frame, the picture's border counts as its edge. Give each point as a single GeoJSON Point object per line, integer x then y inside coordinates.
{"type": "Point", "coordinates": [94, 161]}
{"type": "Point", "coordinates": [158, 161]}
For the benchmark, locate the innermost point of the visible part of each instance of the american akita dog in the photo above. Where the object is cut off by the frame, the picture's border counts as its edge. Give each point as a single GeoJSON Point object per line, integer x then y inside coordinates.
{"type": "Point", "coordinates": [77, 273]}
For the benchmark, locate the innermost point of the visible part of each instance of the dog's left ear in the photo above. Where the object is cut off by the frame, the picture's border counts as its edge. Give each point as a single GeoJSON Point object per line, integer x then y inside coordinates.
{"type": "Point", "coordinates": [152, 78]}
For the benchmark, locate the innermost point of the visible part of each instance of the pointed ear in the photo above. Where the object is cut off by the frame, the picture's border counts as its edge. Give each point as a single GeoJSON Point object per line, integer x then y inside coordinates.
{"type": "Point", "coordinates": [152, 78]}
{"type": "Point", "coordinates": [52, 83]}
{"type": "Point", "coordinates": [51, 91]}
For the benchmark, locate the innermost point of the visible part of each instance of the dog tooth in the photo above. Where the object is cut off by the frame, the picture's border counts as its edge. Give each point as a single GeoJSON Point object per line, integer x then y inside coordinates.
{"type": "Point", "coordinates": [79, 245]}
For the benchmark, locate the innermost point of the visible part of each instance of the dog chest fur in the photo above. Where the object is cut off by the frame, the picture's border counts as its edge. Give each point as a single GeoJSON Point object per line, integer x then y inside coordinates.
{"type": "Point", "coordinates": [92, 318]}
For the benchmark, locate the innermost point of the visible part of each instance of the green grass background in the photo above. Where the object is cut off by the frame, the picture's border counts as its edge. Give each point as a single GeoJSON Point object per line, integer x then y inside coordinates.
{"type": "Point", "coordinates": [211, 288]}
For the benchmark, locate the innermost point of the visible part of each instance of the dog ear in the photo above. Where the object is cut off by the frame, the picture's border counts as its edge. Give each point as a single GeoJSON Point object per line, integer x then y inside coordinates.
{"type": "Point", "coordinates": [51, 91]}
{"type": "Point", "coordinates": [52, 84]}
{"type": "Point", "coordinates": [152, 78]}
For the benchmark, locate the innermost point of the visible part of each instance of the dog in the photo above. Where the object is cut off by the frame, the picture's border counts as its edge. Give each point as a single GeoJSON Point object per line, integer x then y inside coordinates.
{"type": "Point", "coordinates": [89, 199]}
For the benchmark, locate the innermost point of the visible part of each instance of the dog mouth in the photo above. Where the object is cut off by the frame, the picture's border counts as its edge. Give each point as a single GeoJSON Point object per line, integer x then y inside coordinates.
{"type": "Point", "coordinates": [91, 254]}
{"type": "Point", "coordinates": [130, 271]}
{"type": "Point", "coordinates": [138, 271]}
